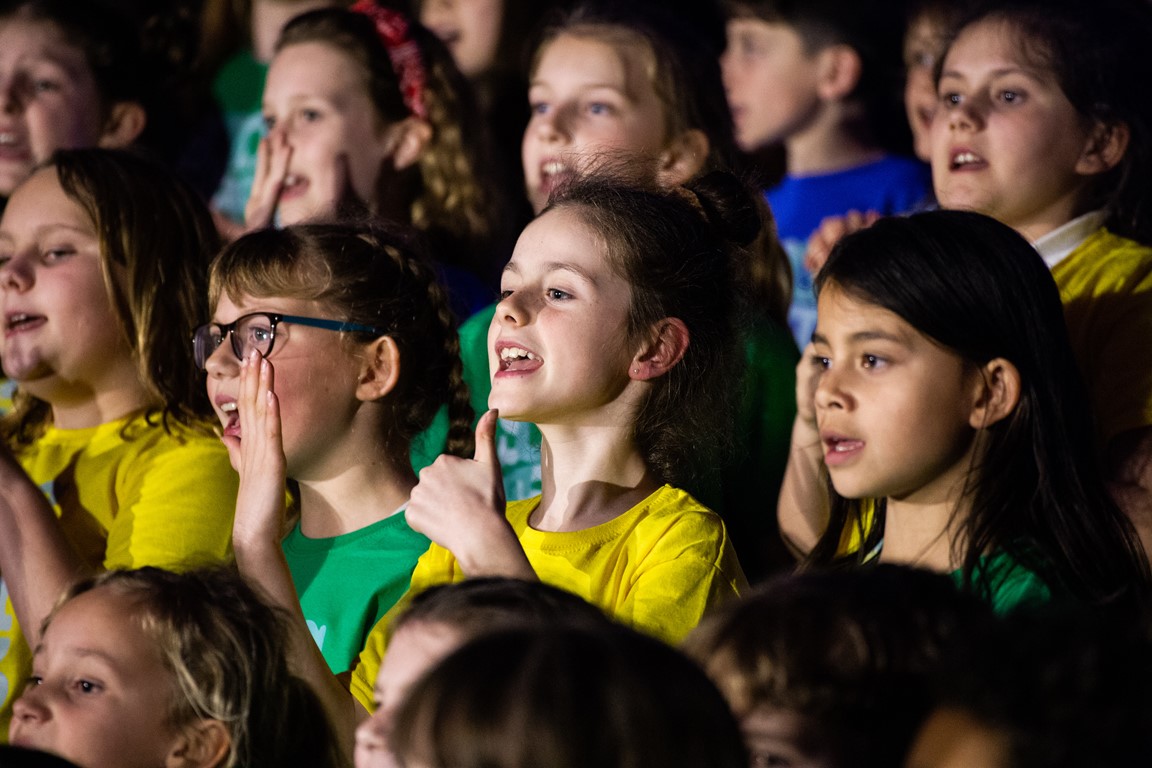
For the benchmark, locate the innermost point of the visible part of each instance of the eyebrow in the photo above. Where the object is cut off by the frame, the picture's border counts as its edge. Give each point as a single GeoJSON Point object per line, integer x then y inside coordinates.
{"type": "Point", "coordinates": [818, 338]}
{"type": "Point", "coordinates": [557, 266]}
{"type": "Point", "coordinates": [1027, 72]}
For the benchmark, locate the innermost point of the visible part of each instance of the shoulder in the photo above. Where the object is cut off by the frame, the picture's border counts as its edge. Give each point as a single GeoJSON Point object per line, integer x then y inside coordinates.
{"type": "Point", "coordinates": [1106, 263]}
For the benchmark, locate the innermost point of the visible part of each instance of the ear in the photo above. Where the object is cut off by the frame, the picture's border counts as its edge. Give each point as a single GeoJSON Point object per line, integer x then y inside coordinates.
{"type": "Point", "coordinates": [204, 744]}
{"type": "Point", "coordinates": [664, 348]}
{"type": "Point", "coordinates": [380, 369]}
{"type": "Point", "coordinates": [838, 71]}
{"type": "Point", "coordinates": [1105, 148]}
{"type": "Point", "coordinates": [997, 393]}
{"type": "Point", "coordinates": [406, 141]}
{"type": "Point", "coordinates": [125, 122]}
{"type": "Point", "coordinates": [683, 158]}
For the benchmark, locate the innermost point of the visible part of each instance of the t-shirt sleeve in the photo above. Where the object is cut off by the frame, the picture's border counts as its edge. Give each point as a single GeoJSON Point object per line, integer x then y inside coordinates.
{"type": "Point", "coordinates": [694, 568]}
{"type": "Point", "coordinates": [436, 566]}
{"type": "Point", "coordinates": [175, 507]}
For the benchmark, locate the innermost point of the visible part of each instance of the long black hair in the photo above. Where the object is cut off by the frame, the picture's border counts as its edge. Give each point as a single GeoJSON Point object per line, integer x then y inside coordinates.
{"type": "Point", "coordinates": [1036, 487]}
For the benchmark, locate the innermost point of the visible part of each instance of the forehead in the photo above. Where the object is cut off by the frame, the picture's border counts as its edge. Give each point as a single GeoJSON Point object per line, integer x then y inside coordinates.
{"type": "Point", "coordinates": [314, 66]}
{"type": "Point", "coordinates": [996, 41]}
{"type": "Point", "coordinates": [613, 57]}
{"type": "Point", "coordinates": [40, 201]}
{"type": "Point", "coordinates": [34, 39]}
{"type": "Point", "coordinates": [105, 620]}
{"type": "Point", "coordinates": [560, 234]}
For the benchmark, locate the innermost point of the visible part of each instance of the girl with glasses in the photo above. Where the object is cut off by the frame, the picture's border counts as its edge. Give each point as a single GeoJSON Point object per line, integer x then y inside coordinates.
{"type": "Point", "coordinates": [106, 460]}
{"type": "Point", "coordinates": [334, 345]}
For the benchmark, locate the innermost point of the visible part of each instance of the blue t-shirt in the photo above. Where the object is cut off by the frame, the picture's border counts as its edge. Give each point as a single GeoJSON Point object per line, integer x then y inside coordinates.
{"type": "Point", "coordinates": [889, 185]}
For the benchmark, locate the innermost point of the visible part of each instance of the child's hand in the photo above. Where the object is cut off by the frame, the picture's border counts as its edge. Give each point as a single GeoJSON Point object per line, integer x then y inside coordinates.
{"type": "Point", "coordinates": [459, 504]}
{"type": "Point", "coordinates": [830, 232]}
{"type": "Point", "coordinates": [272, 157]}
{"type": "Point", "coordinates": [258, 455]}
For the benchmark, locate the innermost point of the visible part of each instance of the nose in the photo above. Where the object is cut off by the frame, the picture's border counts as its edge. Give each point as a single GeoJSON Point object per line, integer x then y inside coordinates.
{"type": "Point", "coordinates": [222, 362]}
{"type": "Point", "coordinates": [555, 125]}
{"type": "Point", "coordinates": [968, 114]}
{"type": "Point", "coordinates": [831, 392]}
{"type": "Point", "coordinates": [17, 274]}
{"type": "Point", "coordinates": [10, 96]}
{"type": "Point", "coordinates": [31, 707]}
{"type": "Point", "coordinates": [512, 310]}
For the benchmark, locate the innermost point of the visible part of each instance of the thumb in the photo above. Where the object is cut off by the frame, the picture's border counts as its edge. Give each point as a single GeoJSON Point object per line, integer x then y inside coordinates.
{"type": "Point", "coordinates": [486, 438]}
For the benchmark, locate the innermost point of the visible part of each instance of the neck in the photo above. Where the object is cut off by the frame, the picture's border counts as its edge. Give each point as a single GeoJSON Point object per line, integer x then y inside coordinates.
{"type": "Point", "coordinates": [920, 534]}
{"type": "Point", "coordinates": [269, 18]}
{"type": "Point", "coordinates": [829, 143]}
{"type": "Point", "coordinates": [118, 394]}
{"type": "Point", "coordinates": [589, 475]}
{"type": "Point", "coordinates": [360, 495]}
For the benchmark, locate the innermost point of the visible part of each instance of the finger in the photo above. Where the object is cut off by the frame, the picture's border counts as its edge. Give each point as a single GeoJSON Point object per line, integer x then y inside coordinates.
{"type": "Point", "coordinates": [486, 438]}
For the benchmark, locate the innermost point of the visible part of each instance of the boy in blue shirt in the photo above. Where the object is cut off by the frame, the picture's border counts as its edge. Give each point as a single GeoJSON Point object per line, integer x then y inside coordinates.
{"type": "Point", "coordinates": [822, 78]}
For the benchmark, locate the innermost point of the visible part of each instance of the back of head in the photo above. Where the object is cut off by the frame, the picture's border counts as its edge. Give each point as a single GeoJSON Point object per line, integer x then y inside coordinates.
{"type": "Point", "coordinates": [976, 287]}
{"type": "Point", "coordinates": [484, 604]}
{"type": "Point", "coordinates": [19, 757]}
{"type": "Point", "coordinates": [678, 250]}
{"type": "Point", "coordinates": [375, 276]}
{"type": "Point", "coordinates": [1098, 58]}
{"type": "Point", "coordinates": [225, 649]}
{"type": "Point", "coordinates": [849, 652]}
{"type": "Point", "coordinates": [560, 698]}
{"type": "Point", "coordinates": [874, 32]}
{"type": "Point", "coordinates": [1061, 689]}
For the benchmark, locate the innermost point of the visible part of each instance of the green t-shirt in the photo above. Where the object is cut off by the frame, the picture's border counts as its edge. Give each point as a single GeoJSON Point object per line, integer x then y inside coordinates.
{"type": "Point", "coordinates": [346, 583]}
{"type": "Point", "coordinates": [1008, 584]}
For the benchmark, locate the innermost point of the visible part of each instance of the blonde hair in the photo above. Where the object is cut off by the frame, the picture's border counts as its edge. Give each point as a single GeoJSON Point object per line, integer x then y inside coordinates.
{"type": "Point", "coordinates": [225, 650]}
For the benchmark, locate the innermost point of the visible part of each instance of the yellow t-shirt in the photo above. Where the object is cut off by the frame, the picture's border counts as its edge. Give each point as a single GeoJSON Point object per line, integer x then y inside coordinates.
{"type": "Point", "coordinates": [1106, 287]}
{"type": "Point", "coordinates": [659, 567]}
{"type": "Point", "coordinates": [128, 494]}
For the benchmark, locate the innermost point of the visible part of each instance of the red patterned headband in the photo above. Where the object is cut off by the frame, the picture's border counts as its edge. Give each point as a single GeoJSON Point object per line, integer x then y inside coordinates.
{"type": "Point", "coordinates": [393, 29]}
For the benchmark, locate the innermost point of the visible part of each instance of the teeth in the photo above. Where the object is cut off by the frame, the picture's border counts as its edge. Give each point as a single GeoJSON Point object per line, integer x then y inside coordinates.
{"type": "Point", "coordinates": [291, 180]}
{"type": "Point", "coordinates": [7, 138]}
{"type": "Point", "coordinates": [228, 407]}
{"type": "Point", "coordinates": [516, 353]}
{"type": "Point", "coordinates": [964, 158]}
{"type": "Point", "coordinates": [553, 167]}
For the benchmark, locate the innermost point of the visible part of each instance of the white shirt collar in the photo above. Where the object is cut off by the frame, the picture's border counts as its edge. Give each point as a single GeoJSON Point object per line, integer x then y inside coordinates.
{"type": "Point", "coordinates": [1055, 246]}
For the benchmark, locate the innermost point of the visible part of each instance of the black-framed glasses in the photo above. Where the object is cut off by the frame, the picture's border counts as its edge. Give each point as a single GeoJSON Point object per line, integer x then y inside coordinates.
{"type": "Point", "coordinates": [257, 331]}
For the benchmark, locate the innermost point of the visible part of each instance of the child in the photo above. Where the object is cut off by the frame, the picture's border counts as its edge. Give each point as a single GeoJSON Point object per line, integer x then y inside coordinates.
{"type": "Point", "coordinates": [1043, 125]}
{"type": "Point", "coordinates": [364, 350]}
{"type": "Point", "coordinates": [1041, 689]}
{"type": "Point", "coordinates": [816, 75]}
{"type": "Point", "coordinates": [563, 698]}
{"type": "Point", "coordinates": [831, 669]}
{"type": "Point", "coordinates": [616, 336]}
{"type": "Point", "coordinates": [237, 40]}
{"type": "Point", "coordinates": [365, 110]}
{"type": "Point", "coordinates": [70, 74]}
{"type": "Point", "coordinates": [107, 459]}
{"type": "Point", "coordinates": [145, 667]}
{"type": "Point", "coordinates": [942, 379]}
{"type": "Point", "coordinates": [599, 96]}
{"type": "Point", "coordinates": [441, 619]}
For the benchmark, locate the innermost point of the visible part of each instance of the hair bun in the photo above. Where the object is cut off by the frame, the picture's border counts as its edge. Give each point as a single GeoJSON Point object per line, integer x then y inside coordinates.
{"type": "Point", "coordinates": [728, 206]}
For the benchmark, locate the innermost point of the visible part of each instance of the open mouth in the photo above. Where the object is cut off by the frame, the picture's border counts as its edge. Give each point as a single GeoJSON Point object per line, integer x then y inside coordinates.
{"type": "Point", "coordinates": [515, 359]}
{"type": "Point", "coordinates": [293, 186]}
{"type": "Point", "coordinates": [966, 159]}
{"type": "Point", "coordinates": [231, 419]}
{"type": "Point", "coordinates": [838, 449]}
{"type": "Point", "coordinates": [21, 321]}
